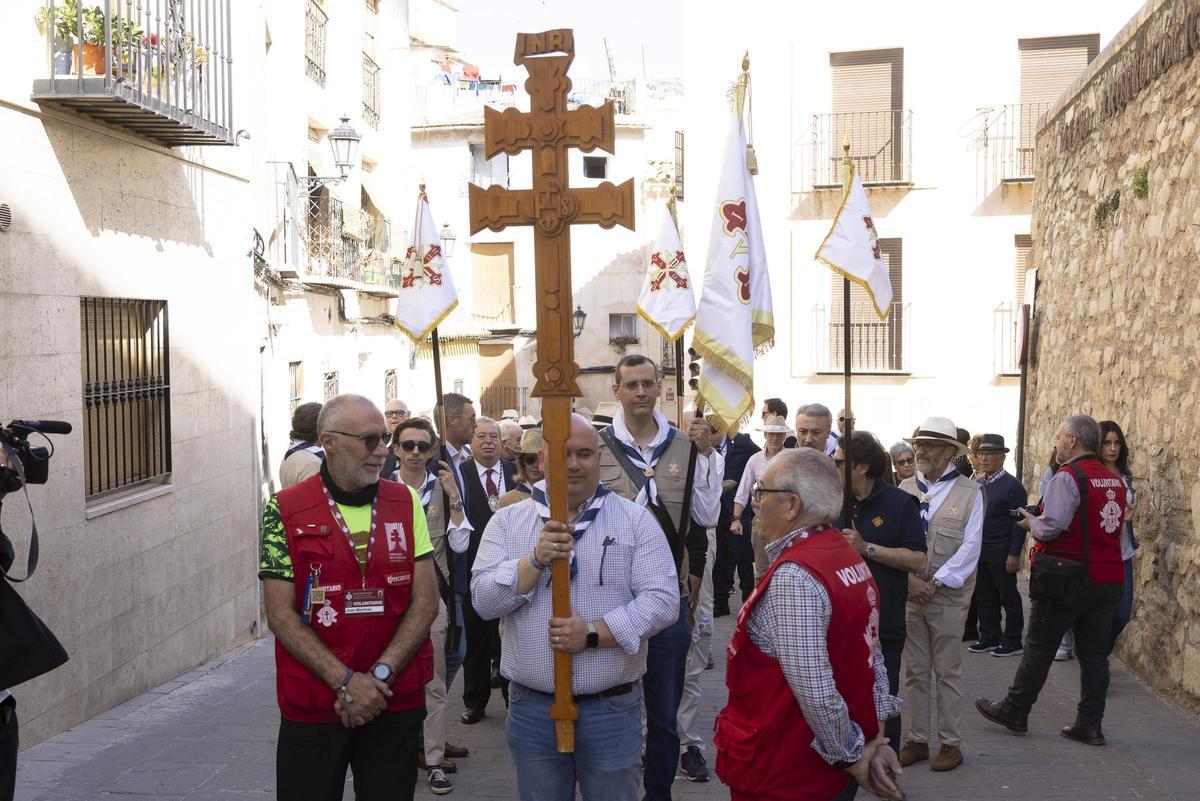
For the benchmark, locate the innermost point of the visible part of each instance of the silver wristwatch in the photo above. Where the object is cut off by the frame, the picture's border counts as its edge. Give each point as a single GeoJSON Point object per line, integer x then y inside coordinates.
{"type": "Point", "coordinates": [457, 506]}
{"type": "Point", "coordinates": [871, 550]}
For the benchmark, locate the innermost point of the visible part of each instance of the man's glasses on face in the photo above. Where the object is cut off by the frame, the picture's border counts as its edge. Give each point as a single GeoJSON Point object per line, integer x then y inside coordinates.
{"type": "Point", "coordinates": [371, 441]}
{"type": "Point", "coordinates": [759, 491]}
{"type": "Point", "coordinates": [396, 414]}
{"type": "Point", "coordinates": [634, 386]}
{"type": "Point", "coordinates": [410, 445]}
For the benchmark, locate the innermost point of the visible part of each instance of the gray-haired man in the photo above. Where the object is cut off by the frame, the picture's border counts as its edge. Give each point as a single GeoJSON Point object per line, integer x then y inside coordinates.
{"type": "Point", "coordinates": [814, 427]}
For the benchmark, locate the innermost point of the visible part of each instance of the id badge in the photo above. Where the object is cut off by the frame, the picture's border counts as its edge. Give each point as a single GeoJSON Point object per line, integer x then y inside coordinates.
{"type": "Point", "coordinates": [366, 603]}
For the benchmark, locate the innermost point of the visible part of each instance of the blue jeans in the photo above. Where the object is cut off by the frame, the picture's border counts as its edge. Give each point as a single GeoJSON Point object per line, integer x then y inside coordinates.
{"type": "Point", "coordinates": [666, 662]}
{"type": "Point", "coordinates": [454, 658]}
{"type": "Point", "coordinates": [1124, 610]}
{"type": "Point", "coordinates": [605, 761]}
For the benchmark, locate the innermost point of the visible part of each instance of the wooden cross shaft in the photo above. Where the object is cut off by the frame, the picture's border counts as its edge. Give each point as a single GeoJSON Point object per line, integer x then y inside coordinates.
{"type": "Point", "coordinates": [548, 130]}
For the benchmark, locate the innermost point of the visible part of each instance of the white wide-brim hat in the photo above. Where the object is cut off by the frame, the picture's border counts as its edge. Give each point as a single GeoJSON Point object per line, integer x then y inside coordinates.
{"type": "Point", "coordinates": [774, 424]}
{"type": "Point", "coordinates": [938, 429]}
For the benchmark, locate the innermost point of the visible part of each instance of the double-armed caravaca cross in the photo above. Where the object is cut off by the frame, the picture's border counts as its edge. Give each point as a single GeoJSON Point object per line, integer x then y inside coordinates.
{"type": "Point", "coordinates": [548, 129]}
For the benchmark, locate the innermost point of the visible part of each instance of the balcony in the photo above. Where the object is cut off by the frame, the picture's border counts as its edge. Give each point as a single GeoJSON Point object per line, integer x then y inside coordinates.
{"type": "Point", "coordinates": [161, 70]}
{"type": "Point", "coordinates": [1006, 339]}
{"type": "Point", "coordinates": [1004, 143]}
{"type": "Point", "coordinates": [452, 101]}
{"type": "Point", "coordinates": [315, 21]}
{"type": "Point", "coordinates": [370, 91]}
{"type": "Point", "coordinates": [878, 347]}
{"type": "Point", "coordinates": [585, 92]}
{"type": "Point", "coordinates": [880, 147]}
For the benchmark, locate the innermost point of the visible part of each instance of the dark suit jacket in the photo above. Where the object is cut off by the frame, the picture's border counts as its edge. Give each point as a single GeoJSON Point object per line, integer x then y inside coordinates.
{"type": "Point", "coordinates": [478, 511]}
{"type": "Point", "coordinates": [741, 448]}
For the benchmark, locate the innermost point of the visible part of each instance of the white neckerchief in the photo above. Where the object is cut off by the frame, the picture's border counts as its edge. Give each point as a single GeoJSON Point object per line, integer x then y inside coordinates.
{"type": "Point", "coordinates": [643, 456]}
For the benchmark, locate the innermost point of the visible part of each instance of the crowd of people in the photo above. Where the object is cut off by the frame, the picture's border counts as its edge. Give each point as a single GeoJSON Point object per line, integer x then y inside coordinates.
{"type": "Point", "coordinates": [396, 557]}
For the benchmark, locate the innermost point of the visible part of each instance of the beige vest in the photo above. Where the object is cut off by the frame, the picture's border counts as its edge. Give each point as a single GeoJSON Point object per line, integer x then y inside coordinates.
{"type": "Point", "coordinates": [435, 516]}
{"type": "Point", "coordinates": [670, 476]}
{"type": "Point", "coordinates": [945, 535]}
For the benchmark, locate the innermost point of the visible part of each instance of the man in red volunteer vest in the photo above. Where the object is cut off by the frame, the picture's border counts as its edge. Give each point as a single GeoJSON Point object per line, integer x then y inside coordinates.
{"type": "Point", "coordinates": [1083, 499]}
{"type": "Point", "coordinates": [808, 689]}
{"type": "Point", "coordinates": [350, 593]}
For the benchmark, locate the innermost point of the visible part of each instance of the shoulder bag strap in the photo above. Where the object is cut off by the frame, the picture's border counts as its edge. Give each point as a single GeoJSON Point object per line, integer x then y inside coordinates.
{"type": "Point", "coordinates": [614, 447]}
{"type": "Point", "coordinates": [31, 561]}
{"type": "Point", "coordinates": [639, 480]}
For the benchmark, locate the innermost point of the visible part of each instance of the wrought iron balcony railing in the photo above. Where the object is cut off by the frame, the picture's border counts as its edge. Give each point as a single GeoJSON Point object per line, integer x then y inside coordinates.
{"type": "Point", "coordinates": [585, 92]}
{"type": "Point", "coordinates": [876, 346]}
{"type": "Point", "coordinates": [162, 69]}
{"type": "Point", "coordinates": [880, 147]}
{"type": "Point", "coordinates": [1006, 339]}
{"type": "Point", "coordinates": [1004, 142]}
{"type": "Point", "coordinates": [370, 91]}
{"type": "Point", "coordinates": [315, 21]}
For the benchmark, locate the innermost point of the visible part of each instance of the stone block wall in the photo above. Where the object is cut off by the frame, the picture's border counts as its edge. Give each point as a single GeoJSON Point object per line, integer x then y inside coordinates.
{"type": "Point", "coordinates": [1116, 241]}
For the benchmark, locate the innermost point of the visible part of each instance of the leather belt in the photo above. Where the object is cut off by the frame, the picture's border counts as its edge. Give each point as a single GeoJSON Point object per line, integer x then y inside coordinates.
{"type": "Point", "coordinates": [611, 692]}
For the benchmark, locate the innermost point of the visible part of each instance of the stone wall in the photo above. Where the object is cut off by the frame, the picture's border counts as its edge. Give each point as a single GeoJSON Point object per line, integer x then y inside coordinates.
{"type": "Point", "coordinates": [1116, 240]}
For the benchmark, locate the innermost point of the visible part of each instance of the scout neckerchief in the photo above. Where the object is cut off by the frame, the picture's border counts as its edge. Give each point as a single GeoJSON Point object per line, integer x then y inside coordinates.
{"type": "Point", "coordinates": [950, 474]}
{"type": "Point", "coordinates": [649, 491]}
{"type": "Point", "coordinates": [302, 445]}
{"type": "Point", "coordinates": [426, 490]}
{"type": "Point", "coordinates": [985, 480]}
{"type": "Point", "coordinates": [587, 513]}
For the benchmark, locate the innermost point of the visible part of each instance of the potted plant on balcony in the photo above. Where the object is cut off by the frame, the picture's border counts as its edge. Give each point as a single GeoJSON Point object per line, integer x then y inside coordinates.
{"type": "Point", "coordinates": [89, 52]}
{"type": "Point", "coordinates": [61, 33]}
{"type": "Point", "coordinates": [126, 41]}
{"type": "Point", "coordinates": [619, 344]}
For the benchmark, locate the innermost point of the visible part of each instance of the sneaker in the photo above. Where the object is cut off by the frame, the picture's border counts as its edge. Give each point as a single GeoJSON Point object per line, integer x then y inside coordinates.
{"type": "Point", "coordinates": [1004, 649]}
{"type": "Point", "coordinates": [1062, 655]}
{"type": "Point", "coordinates": [691, 762]}
{"type": "Point", "coordinates": [982, 647]}
{"type": "Point", "coordinates": [438, 783]}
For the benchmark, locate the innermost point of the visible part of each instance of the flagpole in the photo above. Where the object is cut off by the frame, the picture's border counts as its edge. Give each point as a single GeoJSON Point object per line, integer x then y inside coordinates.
{"type": "Point", "coordinates": [847, 424]}
{"type": "Point", "coordinates": [679, 339]}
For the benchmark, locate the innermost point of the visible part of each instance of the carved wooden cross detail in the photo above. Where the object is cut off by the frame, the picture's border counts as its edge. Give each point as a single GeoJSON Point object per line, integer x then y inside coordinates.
{"type": "Point", "coordinates": [548, 129]}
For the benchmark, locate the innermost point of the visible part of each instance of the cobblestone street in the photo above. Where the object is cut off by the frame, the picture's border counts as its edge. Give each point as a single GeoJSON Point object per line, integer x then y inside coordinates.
{"type": "Point", "coordinates": [210, 736]}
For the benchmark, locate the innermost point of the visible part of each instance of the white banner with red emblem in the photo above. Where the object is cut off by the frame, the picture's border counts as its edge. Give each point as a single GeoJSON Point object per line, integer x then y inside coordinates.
{"type": "Point", "coordinates": [852, 248]}
{"type": "Point", "coordinates": [735, 319]}
{"type": "Point", "coordinates": [427, 293]}
{"type": "Point", "coordinates": [666, 301]}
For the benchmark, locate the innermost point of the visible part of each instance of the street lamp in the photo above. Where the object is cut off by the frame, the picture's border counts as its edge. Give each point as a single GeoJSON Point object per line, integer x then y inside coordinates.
{"type": "Point", "coordinates": [579, 317]}
{"type": "Point", "coordinates": [447, 236]}
{"type": "Point", "coordinates": [343, 140]}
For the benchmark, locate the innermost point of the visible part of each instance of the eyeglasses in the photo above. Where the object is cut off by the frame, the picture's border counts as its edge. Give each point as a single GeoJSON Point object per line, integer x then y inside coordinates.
{"type": "Point", "coordinates": [904, 462]}
{"type": "Point", "coordinates": [410, 445]}
{"type": "Point", "coordinates": [463, 417]}
{"type": "Point", "coordinates": [759, 491]}
{"type": "Point", "coordinates": [839, 463]}
{"type": "Point", "coordinates": [527, 458]}
{"type": "Point", "coordinates": [634, 386]}
{"type": "Point", "coordinates": [370, 440]}
{"type": "Point", "coordinates": [401, 413]}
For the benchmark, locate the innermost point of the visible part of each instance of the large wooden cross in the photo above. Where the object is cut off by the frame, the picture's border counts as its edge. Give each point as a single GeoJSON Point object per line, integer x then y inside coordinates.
{"type": "Point", "coordinates": [548, 129]}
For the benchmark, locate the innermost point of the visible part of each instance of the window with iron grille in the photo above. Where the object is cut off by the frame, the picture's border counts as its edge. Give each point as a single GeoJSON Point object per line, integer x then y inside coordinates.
{"type": "Point", "coordinates": [295, 384]}
{"type": "Point", "coordinates": [679, 165]}
{"type": "Point", "coordinates": [370, 91]}
{"type": "Point", "coordinates": [876, 346]}
{"type": "Point", "coordinates": [389, 385]}
{"type": "Point", "coordinates": [331, 385]}
{"type": "Point", "coordinates": [126, 392]}
{"type": "Point", "coordinates": [315, 20]}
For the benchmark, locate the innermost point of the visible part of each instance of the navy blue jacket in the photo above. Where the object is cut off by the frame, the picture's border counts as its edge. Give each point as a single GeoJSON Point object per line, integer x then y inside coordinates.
{"type": "Point", "coordinates": [740, 449]}
{"type": "Point", "coordinates": [999, 527]}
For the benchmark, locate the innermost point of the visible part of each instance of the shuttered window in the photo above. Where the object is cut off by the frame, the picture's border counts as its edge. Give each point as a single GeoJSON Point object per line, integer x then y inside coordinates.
{"type": "Point", "coordinates": [1050, 65]}
{"type": "Point", "coordinates": [295, 384]}
{"type": "Point", "coordinates": [1023, 243]}
{"type": "Point", "coordinates": [487, 172]}
{"type": "Point", "coordinates": [492, 282]}
{"type": "Point", "coordinates": [868, 103]}
{"type": "Point", "coordinates": [497, 379]}
{"type": "Point", "coordinates": [876, 345]}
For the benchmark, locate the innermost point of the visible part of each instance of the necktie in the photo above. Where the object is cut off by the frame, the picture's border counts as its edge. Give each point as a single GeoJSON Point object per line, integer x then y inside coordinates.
{"type": "Point", "coordinates": [924, 488]}
{"type": "Point", "coordinates": [491, 483]}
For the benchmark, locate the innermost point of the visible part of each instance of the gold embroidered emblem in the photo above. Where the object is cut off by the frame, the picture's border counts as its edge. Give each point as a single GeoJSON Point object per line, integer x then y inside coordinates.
{"type": "Point", "coordinates": [878, 521]}
{"type": "Point", "coordinates": [673, 468]}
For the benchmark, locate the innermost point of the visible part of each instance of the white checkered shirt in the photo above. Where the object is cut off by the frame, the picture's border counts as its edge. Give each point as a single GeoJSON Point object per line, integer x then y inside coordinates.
{"type": "Point", "coordinates": [638, 599]}
{"type": "Point", "coordinates": [789, 624]}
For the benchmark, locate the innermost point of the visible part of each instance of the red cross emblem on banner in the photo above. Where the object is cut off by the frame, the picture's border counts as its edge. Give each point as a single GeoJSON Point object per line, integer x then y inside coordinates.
{"type": "Point", "coordinates": [875, 251]}
{"type": "Point", "coordinates": [664, 270]}
{"type": "Point", "coordinates": [742, 274]}
{"type": "Point", "coordinates": [429, 271]}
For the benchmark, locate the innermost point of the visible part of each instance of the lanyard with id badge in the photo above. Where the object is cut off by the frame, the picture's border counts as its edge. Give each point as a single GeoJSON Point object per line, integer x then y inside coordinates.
{"type": "Point", "coordinates": [363, 602]}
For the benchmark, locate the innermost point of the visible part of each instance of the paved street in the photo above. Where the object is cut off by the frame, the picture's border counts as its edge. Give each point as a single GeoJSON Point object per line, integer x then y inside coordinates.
{"type": "Point", "coordinates": [209, 736]}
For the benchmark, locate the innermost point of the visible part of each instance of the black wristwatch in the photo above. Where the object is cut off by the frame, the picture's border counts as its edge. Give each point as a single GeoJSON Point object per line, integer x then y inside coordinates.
{"type": "Point", "coordinates": [593, 636]}
{"type": "Point", "coordinates": [383, 672]}
{"type": "Point", "coordinates": [840, 765]}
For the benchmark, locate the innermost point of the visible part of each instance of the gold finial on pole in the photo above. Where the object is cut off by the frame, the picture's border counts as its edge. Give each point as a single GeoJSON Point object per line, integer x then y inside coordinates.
{"type": "Point", "coordinates": [671, 206]}
{"type": "Point", "coordinates": [743, 82]}
{"type": "Point", "coordinates": [847, 164]}
{"type": "Point", "coordinates": [421, 186]}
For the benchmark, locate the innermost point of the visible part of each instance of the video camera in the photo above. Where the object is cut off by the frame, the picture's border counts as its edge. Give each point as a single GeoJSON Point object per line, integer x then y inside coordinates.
{"type": "Point", "coordinates": [35, 462]}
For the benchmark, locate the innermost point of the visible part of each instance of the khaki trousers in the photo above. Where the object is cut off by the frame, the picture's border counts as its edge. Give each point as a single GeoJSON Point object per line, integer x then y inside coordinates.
{"type": "Point", "coordinates": [761, 561]}
{"type": "Point", "coordinates": [933, 649]}
{"type": "Point", "coordinates": [435, 693]}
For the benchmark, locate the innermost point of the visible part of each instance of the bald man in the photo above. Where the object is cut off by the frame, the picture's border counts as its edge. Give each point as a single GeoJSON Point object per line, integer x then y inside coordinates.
{"type": "Point", "coordinates": [395, 412]}
{"type": "Point", "coordinates": [624, 590]}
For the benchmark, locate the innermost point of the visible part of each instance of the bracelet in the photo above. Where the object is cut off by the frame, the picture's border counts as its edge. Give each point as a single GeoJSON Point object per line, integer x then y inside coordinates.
{"type": "Point", "coordinates": [346, 679]}
{"type": "Point", "coordinates": [538, 566]}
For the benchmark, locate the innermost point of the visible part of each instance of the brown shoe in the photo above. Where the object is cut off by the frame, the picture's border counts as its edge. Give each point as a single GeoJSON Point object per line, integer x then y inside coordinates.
{"type": "Point", "coordinates": [948, 758]}
{"type": "Point", "coordinates": [457, 751]}
{"type": "Point", "coordinates": [912, 752]}
{"type": "Point", "coordinates": [447, 766]}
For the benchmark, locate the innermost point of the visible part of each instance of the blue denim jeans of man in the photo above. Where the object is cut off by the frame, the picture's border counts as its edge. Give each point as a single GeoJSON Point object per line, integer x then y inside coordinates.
{"type": "Point", "coordinates": [454, 658]}
{"type": "Point", "coordinates": [605, 762]}
{"type": "Point", "coordinates": [662, 685]}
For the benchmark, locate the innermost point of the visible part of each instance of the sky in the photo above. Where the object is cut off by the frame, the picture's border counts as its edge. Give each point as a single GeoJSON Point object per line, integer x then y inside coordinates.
{"type": "Point", "coordinates": [626, 23]}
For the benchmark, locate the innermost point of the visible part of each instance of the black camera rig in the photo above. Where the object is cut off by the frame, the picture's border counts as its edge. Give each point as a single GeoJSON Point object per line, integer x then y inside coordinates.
{"type": "Point", "coordinates": [35, 461]}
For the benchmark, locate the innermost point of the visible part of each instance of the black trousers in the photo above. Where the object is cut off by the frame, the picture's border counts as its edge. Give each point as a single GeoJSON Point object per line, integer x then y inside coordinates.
{"type": "Point", "coordinates": [893, 649]}
{"type": "Point", "coordinates": [9, 741]}
{"type": "Point", "coordinates": [477, 664]}
{"type": "Point", "coordinates": [1091, 618]}
{"type": "Point", "coordinates": [311, 758]}
{"type": "Point", "coordinates": [996, 589]}
{"type": "Point", "coordinates": [735, 559]}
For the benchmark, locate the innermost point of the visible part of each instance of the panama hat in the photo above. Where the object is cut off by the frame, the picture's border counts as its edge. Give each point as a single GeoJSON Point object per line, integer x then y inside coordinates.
{"type": "Point", "coordinates": [774, 424]}
{"type": "Point", "coordinates": [938, 429]}
{"type": "Point", "coordinates": [603, 416]}
{"type": "Point", "coordinates": [528, 422]}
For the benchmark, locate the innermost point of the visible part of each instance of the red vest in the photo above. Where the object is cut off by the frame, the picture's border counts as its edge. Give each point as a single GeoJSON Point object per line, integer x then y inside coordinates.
{"type": "Point", "coordinates": [315, 538]}
{"type": "Point", "coordinates": [764, 745]}
{"type": "Point", "coordinates": [1105, 510]}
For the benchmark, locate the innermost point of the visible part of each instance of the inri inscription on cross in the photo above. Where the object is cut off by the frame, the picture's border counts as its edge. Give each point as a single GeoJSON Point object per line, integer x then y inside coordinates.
{"type": "Point", "coordinates": [548, 129]}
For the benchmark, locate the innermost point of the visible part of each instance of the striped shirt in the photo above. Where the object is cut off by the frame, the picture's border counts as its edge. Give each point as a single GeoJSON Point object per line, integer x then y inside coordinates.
{"type": "Point", "coordinates": [638, 598]}
{"type": "Point", "coordinates": [789, 624]}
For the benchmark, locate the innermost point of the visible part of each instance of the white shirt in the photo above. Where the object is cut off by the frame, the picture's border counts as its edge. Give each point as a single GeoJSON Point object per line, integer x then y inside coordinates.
{"type": "Point", "coordinates": [457, 457]}
{"type": "Point", "coordinates": [459, 537]}
{"type": "Point", "coordinates": [4, 694]}
{"type": "Point", "coordinates": [497, 476]}
{"type": "Point", "coordinates": [710, 470]}
{"type": "Point", "coordinates": [756, 465]}
{"type": "Point", "coordinates": [958, 568]}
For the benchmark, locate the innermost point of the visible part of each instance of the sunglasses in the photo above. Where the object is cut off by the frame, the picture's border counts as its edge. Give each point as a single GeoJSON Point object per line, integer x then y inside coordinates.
{"type": "Point", "coordinates": [527, 458]}
{"type": "Point", "coordinates": [904, 462]}
{"type": "Point", "coordinates": [410, 445]}
{"type": "Point", "coordinates": [371, 441]}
